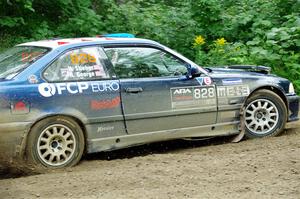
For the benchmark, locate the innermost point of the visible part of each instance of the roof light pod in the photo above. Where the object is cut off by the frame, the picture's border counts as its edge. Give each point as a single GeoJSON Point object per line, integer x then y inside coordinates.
{"type": "Point", "coordinates": [119, 35]}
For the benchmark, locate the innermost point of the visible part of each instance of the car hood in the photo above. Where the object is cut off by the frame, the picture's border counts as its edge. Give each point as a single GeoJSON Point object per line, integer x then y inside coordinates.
{"type": "Point", "coordinates": [227, 72]}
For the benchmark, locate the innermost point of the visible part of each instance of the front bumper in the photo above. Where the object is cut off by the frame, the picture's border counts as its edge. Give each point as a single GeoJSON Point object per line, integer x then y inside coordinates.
{"type": "Point", "coordinates": [12, 140]}
{"type": "Point", "coordinates": [293, 104]}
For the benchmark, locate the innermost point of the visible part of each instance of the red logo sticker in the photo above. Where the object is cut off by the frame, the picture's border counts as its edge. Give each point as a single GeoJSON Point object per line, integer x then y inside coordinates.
{"type": "Point", "coordinates": [62, 42]}
{"type": "Point", "coordinates": [19, 108]}
{"type": "Point", "coordinates": [105, 104]}
{"type": "Point", "coordinates": [207, 80]}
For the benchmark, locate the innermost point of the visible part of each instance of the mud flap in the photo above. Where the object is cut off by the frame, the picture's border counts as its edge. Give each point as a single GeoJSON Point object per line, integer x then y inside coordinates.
{"type": "Point", "coordinates": [241, 135]}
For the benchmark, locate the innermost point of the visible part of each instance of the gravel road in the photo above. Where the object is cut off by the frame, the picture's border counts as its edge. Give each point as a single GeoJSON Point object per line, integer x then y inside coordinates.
{"type": "Point", "coordinates": [259, 168]}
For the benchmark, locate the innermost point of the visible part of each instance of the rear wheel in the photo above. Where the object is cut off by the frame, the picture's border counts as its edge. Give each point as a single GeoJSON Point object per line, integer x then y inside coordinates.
{"type": "Point", "coordinates": [55, 142]}
{"type": "Point", "coordinates": [265, 114]}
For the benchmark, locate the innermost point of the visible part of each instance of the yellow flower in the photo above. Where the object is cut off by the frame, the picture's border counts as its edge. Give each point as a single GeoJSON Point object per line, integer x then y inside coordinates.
{"type": "Point", "coordinates": [221, 42]}
{"type": "Point", "coordinates": [199, 40]}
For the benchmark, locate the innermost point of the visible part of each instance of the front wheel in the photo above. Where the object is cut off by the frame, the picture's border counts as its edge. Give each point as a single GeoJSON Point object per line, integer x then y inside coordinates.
{"type": "Point", "coordinates": [55, 142]}
{"type": "Point", "coordinates": [265, 114]}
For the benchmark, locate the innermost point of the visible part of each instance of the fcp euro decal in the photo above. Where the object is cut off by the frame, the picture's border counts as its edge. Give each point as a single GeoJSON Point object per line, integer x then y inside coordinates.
{"type": "Point", "coordinates": [48, 89]}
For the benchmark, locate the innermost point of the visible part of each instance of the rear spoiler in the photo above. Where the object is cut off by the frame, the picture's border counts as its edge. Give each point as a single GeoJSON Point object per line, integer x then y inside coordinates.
{"type": "Point", "coordinates": [252, 68]}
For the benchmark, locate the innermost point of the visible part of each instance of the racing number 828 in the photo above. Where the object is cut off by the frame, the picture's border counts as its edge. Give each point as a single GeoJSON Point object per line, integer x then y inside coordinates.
{"type": "Point", "coordinates": [203, 93]}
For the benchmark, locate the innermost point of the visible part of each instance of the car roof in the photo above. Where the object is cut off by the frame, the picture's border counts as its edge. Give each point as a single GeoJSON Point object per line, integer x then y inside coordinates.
{"type": "Point", "coordinates": [56, 43]}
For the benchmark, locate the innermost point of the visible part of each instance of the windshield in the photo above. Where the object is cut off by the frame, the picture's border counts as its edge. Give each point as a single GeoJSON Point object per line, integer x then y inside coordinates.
{"type": "Point", "coordinates": [16, 59]}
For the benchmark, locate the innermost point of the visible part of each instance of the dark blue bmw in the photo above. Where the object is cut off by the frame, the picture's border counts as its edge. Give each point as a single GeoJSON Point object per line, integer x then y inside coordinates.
{"type": "Point", "coordinates": [62, 98]}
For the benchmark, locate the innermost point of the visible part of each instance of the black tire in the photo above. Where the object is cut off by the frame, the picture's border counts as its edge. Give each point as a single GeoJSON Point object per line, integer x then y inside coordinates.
{"type": "Point", "coordinates": [265, 114]}
{"type": "Point", "coordinates": [55, 142]}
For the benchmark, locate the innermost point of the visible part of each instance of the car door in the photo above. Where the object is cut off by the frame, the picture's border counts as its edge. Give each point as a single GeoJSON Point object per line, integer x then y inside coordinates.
{"type": "Point", "coordinates": [79, 84]}
{"type": "Point", "coordinates": [156, 93]}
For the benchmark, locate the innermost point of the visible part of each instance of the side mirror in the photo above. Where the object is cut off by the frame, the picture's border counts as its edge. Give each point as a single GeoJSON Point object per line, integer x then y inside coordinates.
{"type": "Point", "coordinates": [193, 71]}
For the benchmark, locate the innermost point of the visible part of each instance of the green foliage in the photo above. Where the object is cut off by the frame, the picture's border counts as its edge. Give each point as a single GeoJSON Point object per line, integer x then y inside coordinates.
{"type": "Point", "coordinates": [256, 31]}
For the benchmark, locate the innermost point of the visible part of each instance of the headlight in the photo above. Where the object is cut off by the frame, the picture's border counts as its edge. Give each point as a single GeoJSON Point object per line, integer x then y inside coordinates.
{"type": "Point", "coordinates": [291, 89]}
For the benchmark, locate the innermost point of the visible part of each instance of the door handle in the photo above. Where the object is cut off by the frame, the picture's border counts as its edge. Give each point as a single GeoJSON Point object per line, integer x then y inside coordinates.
{"type": "Point", "coordinates": [234, 101]}
{"type": "Point", "coordinates": [134, 90]}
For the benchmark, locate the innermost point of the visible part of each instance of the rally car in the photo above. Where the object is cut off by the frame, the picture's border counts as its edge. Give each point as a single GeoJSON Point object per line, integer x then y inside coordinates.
{"type": "Point", "coordinates": [62, 98]}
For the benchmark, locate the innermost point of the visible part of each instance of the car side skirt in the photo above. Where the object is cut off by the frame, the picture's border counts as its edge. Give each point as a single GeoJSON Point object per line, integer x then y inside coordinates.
{"type": "Point", "coordinates": [119, 142]}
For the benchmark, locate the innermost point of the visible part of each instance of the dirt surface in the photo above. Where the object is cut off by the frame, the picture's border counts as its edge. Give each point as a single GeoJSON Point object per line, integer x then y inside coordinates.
{"type": "Point", "coordinates": [260, 168]}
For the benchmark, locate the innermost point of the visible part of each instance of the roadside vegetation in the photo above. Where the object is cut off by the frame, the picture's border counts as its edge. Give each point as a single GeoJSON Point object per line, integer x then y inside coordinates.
{"type": "Point", "coordinates": [211, 32]}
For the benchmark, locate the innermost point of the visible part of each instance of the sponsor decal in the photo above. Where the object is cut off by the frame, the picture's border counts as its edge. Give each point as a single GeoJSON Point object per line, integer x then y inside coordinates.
{"type": "Point", "coordinates": [105, 128]}
{"type": "Point", "coordinates": [32, 79]}
{"type": "Point", "coordinates": [26, 57]}
{"type": "Point", "coordinates": [105, 104]}
{"type": "Point", "coordinates": [193, 96]}
{"type": "Point", "coordinates": [207, 80]}
{"type": "Point", "coordinates": [232, 81]}
{"type": "Point", "coordinates": [233, 91]}
{"type": "Point", "coordinates": [19, 108]}
{"type": "Point", "coordinates": [200, 80]}
{"type": "Point", "coordinates": [48, 89]}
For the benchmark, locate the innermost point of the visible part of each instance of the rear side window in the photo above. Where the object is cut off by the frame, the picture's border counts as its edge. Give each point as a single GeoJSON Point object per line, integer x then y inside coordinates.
{"type": "Point", "coordinates": [16, 59]}
{"type": "Point", "coordinates": [78, 64]}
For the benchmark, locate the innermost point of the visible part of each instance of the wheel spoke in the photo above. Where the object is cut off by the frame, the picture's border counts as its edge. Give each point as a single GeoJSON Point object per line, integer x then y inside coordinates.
{"type": "Point", "coordinates": [250, 112]}
{"type": "Point", "coordinates": [51, 158]}
{"type": "Point", "coordinates": [249, 118]}
{"type": "Point", "coordinates": [69, 142]}
{"type": "Point", "coordinates": [58, 158]}
{"type": "Point", "coordinates": [45, 154]}
{"type": "Point", "coordinates": [55, 130]}
{"type": "Point", "coordinates": [265, 105]}
{"type": "Point", "coordinates": [259, 104]}
{"type": "Point", "coordinates": [44, 140]}
{"type": "Point", "coordinates": [48, 133]}
{"type": "Point", "coordinates": [69, 149]}
{"type": "Point", "coordinates": [64, 156]}
{"type": "Point", "coordinates": [252, 122]}
{"type": "Point", "coordinates": [61, 131]}
{"type": "Point", "coordinates": [271, 120]}
{"type": "Point", "coordinates": [256, 127]}
{"type": "Point", "coordinates": [67, 135]}
{"type": "Point", "coordinates": [43, 147]}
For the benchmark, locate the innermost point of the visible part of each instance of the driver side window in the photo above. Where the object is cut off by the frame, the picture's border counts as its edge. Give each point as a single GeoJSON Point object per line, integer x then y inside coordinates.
{"type": "Point", "coordinates": [139, 62]}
